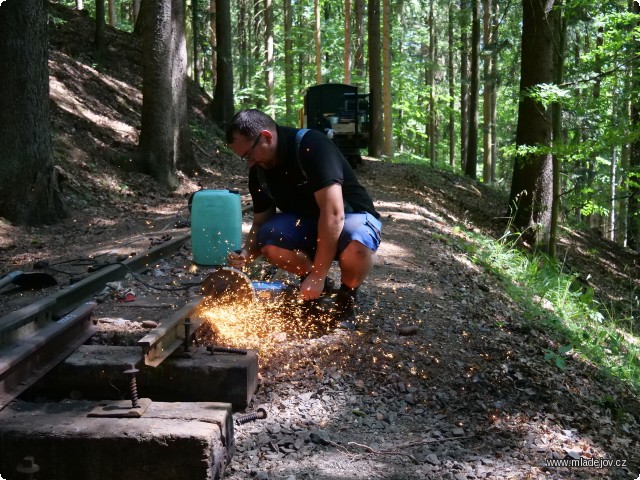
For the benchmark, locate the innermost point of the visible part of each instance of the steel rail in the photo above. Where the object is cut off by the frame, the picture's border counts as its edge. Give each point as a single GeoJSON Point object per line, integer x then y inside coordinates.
{"type": "Point", "coordinates": [37, 337]}
{"type": "Point", "coordinates": [46, 309]}
{"type": "Point", "coordinates": [171, 334]}
{"type": "Point", "coordinates": [24, 363]}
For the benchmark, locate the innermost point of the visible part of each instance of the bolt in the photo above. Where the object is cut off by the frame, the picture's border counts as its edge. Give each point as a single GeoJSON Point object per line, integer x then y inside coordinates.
{"type": "Point", "coordinates": [133, 385]}
{"type": "Point", "coordinates": [187, 333]}
{"type": "Point", "coordinates": [28, 466]}
{"type": "Point", "coordinates": [257, 415]}
{"type": "Point", "coordinates": [215, 349]}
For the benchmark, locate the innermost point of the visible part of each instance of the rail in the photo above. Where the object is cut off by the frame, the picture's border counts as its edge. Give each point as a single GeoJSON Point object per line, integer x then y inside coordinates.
{"type": "Point", "coordinates": [35, 338]}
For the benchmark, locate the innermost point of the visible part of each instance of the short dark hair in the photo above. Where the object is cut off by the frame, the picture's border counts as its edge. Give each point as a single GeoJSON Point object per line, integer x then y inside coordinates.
{"type": "Point", "coordinates": [249, 123]}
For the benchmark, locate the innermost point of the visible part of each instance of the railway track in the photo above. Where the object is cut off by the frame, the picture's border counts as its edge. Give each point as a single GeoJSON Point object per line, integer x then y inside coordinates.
{"type": "Point", "coordinates": [182, 428]}
{"type": "Point", "coordinates": [37, 337]}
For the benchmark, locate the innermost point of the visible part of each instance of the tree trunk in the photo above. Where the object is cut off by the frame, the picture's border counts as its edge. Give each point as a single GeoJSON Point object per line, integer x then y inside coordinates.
{"type": "Point", "coordinates": [450, 74]}
{"type": "Point", "coordinates": [386, 78]}
{"type": "Point", "coordinates": [29, 192]}
{"type": "Point", "coordinates": [185, 159]}
{"type": "Point", "coordinates": [257, 55]}
{"type": "Point", "coordinates": [531, 188]}
{"type": "Point", "coordinates": [136, 11]}
{"type": "Point", "coordinates": [269, 60]}
{"type": "Point", "coordinates": [464, 81]}
{"type": "Point", "coordinates": [431, 84]}
{"type": "Point", "coordinates": [633, 212]}
{"type": "Point", "coordinates": [347, 42]}
{"type": "Point", "coordinates": [79, 5]}
{"type": "Point", "coordinates": [359, 41]}
{"type": "Point", "coordinates": [623, 205]}
{"type": "Point", "coordinates": [613, 189]}
{"type": "Point", "coordinates": [487, 92]}
{"type": "Point", "coordinates": [471, 163]}
{"type": "Point", "coordinates": [288, 61]}
{"type": "Point", "coordinates": [494, 91]}
{"type": "Point", "coordinates": [316, 39]}
{"type": "Point", "coordinates": [556, 112]}
{"type": "Point", "coordinates": [222, 104]}
{"type": "Point", "coordinates": [376, 134]}
{"type": "Point", "coordinates": [195, 30]}
{"type": "Point", "coordinates": [112, 13]}
{"type": "Point", "coordinates": [164, 142]}
{"type": "Point", "coordinates": [100, 25]}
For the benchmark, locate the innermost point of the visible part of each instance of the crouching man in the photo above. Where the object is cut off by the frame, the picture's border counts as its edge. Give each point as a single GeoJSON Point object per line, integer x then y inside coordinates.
{"type": "Point", "coordinates": [309, 208]}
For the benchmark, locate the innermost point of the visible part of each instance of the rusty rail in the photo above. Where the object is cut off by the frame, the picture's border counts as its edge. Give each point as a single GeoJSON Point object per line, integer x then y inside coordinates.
{"type": "Point", "coordinates": [35, 354]}
{"type": "Point", "coordinates": [35, 338]}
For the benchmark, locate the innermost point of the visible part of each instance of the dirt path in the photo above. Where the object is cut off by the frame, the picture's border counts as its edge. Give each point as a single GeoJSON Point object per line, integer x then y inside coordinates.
{"type": "Point", "coordinates": [468, 396]}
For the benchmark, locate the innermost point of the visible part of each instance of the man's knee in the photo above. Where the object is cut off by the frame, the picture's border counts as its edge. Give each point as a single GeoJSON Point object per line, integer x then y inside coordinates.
{"type": "Point", "coordinates": [356, 251]}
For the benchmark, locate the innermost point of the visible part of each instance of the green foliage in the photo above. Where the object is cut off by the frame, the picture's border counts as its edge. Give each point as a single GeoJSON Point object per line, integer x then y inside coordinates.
{"type": "Point", "coordinates": [557, 303]}
{"type": "Point", "coordinates": [558, 358]}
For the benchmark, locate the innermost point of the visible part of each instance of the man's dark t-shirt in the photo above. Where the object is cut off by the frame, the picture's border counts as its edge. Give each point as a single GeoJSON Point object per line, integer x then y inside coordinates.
{"type": "Point", "coordinates": [290, 186]}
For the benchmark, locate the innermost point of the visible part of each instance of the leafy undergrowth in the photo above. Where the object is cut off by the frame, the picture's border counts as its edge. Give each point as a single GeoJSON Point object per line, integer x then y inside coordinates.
{"type": "Point", "coordinates": [559, 301]}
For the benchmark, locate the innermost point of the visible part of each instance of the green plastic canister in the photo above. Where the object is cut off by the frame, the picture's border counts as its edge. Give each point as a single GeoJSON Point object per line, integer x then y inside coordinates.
{"type": "Point", "coordinates": [216, 226]}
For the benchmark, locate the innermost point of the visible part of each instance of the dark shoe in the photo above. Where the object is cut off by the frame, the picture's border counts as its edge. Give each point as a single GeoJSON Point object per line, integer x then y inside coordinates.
{"type": "Point", "coordinates": [344, 309]}
{"type": "Point", "coordinates": [345, 304]}
{"type": "Point", "coordinates": [329, 286]}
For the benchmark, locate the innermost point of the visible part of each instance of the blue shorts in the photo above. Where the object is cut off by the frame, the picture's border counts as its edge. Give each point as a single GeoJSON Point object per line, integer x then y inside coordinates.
{"type": "Point", "coordinates": [294, 232]}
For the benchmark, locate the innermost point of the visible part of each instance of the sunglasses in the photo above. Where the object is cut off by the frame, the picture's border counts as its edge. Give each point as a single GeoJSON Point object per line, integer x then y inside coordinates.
{"type": "Point", "coordinates": [249, 152]}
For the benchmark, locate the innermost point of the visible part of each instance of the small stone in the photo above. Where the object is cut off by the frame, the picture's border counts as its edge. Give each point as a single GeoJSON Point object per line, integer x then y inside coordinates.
{"type": "Point", "coordinates": [407, 330]}
{"type": "Point", "coordinates": [432, 458]}
{"type": "Point", "coordinates": [149, 324]}
{"type": "Point", "coordinates": [458, 432]}
{"type": "Point", "coordinates": [320, 437]}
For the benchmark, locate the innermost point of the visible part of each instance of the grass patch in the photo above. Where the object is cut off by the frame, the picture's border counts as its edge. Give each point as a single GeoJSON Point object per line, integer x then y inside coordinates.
{"type": "Point", "coordinates": [566, 308]}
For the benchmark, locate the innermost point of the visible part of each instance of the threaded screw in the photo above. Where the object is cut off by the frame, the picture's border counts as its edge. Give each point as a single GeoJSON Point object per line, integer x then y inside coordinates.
{"type": "Point", "coordinates": [257, 415]}
{"type": "Point", "coordinates": [133, 385]}
{"type": "Point", "coordinates": [28, 467]}
{"type": "Point", "coordinates": [187, 333]}
{"type": "Point", "coordinates": [236, 351]}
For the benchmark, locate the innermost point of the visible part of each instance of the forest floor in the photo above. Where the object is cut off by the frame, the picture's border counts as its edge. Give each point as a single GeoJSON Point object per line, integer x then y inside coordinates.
{"type": "Point", "coordinates": [469, 394]}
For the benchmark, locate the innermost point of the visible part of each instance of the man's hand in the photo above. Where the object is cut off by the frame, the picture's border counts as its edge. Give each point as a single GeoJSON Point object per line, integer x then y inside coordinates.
{"type": "Point", "coordinates": [312, 286]}
{"type": "Point", "coordinates": [237, 260]}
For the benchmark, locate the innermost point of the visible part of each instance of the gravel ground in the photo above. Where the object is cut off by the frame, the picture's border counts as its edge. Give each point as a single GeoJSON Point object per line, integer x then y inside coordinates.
{"type": "Point", "coordinates": [444, 377]}
{"type": "Point", "coordinates": [467, 394]}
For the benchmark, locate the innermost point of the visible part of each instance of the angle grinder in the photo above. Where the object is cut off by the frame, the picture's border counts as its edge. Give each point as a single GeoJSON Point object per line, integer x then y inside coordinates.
{"type": "Point", "coordinates": [228, 284]}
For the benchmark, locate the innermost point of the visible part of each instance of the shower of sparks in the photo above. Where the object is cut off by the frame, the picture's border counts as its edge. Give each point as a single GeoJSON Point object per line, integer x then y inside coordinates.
{"type": "Point", "coordinates": [262, 325]}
